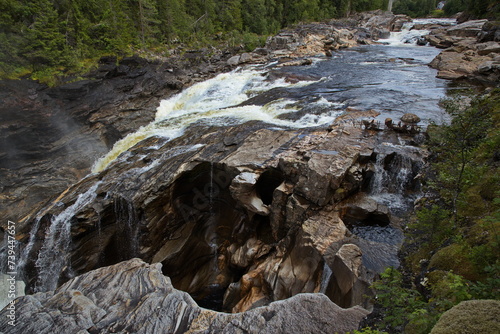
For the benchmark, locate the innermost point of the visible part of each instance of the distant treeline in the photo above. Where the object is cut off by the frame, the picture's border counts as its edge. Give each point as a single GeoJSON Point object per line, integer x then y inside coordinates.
{"type": "Point", "coordinates": [421, 8]}
{"type": "Point", "coordinates": [49, 33]}
{"type": "Point", "coordinates": [43, 35]}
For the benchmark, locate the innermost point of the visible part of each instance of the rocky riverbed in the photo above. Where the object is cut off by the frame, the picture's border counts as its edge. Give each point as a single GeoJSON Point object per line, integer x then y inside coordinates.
{"type": "Point", "coordinates": [248, 218]}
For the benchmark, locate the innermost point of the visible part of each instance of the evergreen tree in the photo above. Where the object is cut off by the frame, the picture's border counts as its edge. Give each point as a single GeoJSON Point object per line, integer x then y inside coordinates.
{"type": "Point", "coordinates": [229, 15]}
{"type": "Point", "coordinates": [147, 20]}
{"type": "Point", "coordinates": [46, 44]}
{"type": "Point", "coordinates": [174, 20]}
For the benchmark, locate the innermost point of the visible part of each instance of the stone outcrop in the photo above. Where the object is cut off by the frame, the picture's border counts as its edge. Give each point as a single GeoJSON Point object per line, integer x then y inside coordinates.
{"type": "Point", "coordinates": [307, 40]}
{"type": "Point", "coordinates": [134, 297]}
{"type": "Point", "coordinates": [472, 51]}
{"type": "Point", "coordinates": [262, 215]}
{"type": "Point", "coordinates": [49, 137]}
{"type": "Point", "coordinates": [238, 223]}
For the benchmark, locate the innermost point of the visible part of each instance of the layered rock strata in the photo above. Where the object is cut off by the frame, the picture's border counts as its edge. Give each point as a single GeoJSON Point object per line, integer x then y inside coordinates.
{"type": "Point", "coordinates": [134, 297]}
{"type": "Point", "coordinates": [471, 51]}
{"type": "Point", "coordinates": [261, 216]}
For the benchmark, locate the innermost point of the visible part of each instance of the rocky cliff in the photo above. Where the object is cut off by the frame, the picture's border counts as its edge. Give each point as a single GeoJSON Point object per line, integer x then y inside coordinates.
{"type": "Point", "coordinates": [239, 217]}
{"type": "Point", "coordinates": [260, 216]}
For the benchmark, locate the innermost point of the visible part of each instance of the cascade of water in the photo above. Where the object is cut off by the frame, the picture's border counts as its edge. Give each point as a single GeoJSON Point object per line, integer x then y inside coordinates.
{"type": "Point", "coordinates": [325, 279]}
{"type": "Point", "coordinates": [393, 177]}
{"type": "Point", "coordinates": [127, 220]}
{"type": "Point", "coordinates": [217, 102]}
{"type": "Point", "coordinates": [52, 257]}
{"type": "Point", "coordinates": [377, 182]}
{"type": "Point", "coordinates": [23, 259]}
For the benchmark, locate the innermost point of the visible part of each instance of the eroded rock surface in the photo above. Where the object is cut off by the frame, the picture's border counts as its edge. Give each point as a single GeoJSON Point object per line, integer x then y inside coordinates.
{"type": "Point", "coordinates": [50, 137]}
{"type": "Point", "coordinates": [472, 51]}
{"type": "Point", "coordinates": [237, 223]}
{"type": "Point", "coordinates": [135, 297]}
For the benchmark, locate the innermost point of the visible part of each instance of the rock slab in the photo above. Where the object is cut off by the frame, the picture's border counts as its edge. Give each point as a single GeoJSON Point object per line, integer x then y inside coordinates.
{"type": "Point", "coordinates": [135, 297]}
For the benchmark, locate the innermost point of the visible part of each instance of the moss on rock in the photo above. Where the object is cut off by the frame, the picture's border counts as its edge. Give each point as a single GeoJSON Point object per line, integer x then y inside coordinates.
{"type": "Point", "coordinates": [454, 258]}
{"type": "Point", "coordinates": [470, 317]}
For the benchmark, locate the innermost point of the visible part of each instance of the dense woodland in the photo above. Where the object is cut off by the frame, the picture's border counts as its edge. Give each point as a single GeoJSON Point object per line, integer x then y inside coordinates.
{"type": "Point", "coordinates": [43, 37]}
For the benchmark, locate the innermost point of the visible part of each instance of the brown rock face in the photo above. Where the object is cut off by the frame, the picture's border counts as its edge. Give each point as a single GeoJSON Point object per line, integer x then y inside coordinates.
{"type": "Point", "coordinates": [237, 223]}
{"type": "Point", "coordinates": [470, 52]}
{"type": "Point", "coordinates": [49, 137]}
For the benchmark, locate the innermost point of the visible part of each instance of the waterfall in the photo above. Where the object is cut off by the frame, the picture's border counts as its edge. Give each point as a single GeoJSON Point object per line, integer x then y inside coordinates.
{"type": "Point", "coordinates": [52, 257]}
{"type": "Point", "coordinates": [127, 220]}
{"type": "Point", "coordinates": [393, 183]}
{"type": "Point", "coordinates": [393, 174]}
{"type": "Point", "coordinates": [409, 36]}
{"type": "Point", "coordinates": [23, 259]}
{"type": "Point", "coordinates": [325, 279]}
{"type": "Point", "coordinates": [217, 102]}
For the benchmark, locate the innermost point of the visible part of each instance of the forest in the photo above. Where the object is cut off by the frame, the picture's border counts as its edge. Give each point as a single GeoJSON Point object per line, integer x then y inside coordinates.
{"type": "Point", "coordinates": [44, 37]}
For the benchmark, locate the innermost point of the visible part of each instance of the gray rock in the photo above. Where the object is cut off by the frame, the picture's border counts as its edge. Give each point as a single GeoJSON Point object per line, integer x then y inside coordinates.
{"type": "Point", "coordinates": [135, 297]}
{"type": "Point", "coordinates": [245, 58]}
{"type": "Point", "coordinates": [466, 29]}
{"type": "Point", "coordinates": [487, 48]}
{"type": "Point", "coordinates": [234, 60]}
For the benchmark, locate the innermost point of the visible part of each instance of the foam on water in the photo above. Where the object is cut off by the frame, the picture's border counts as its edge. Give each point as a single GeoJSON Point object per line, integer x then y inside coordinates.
{"type": "Point", "coordinates": [216, 101]}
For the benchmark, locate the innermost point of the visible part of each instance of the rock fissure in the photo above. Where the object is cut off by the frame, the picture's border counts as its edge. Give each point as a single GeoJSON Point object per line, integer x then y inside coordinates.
{"type": "Point", "coordinates": [248, 219]}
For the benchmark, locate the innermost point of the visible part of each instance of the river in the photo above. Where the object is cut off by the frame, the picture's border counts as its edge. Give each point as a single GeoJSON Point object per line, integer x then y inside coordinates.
{"type": "Point", "coordinates": [392, 78]}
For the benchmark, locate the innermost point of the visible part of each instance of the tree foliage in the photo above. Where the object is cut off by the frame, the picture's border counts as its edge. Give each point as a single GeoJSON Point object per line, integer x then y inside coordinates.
{"type": "Point", "coordinates": [49, 34]}
{"type": "Point", "coordinates": [423, 8]}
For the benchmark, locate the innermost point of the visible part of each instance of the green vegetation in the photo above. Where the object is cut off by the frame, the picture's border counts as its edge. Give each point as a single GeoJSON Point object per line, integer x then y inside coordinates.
{"type": "Point", "coordinates": [474, 316]}
{"type": "Point", "coordinates": [478, 9]}
{"type": "Point", "coordinates": [423, 8]}
{"type": "Point", "coordinates": [47, 38]}
{"type": "Point", "coordinates": [454, 241]}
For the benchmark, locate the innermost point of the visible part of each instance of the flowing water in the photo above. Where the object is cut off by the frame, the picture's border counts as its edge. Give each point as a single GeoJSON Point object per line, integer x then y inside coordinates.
{"type": "Point", "coordinates": [392, 79]}
{"type": "Point", "coordinates": [52, 257]}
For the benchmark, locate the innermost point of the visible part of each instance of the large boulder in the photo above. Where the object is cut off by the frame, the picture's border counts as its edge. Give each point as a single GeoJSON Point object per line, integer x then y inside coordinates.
{"type": "Point", "coordinates": [466, 29]}
{"type": "Point", "coordinates": [135, 297]}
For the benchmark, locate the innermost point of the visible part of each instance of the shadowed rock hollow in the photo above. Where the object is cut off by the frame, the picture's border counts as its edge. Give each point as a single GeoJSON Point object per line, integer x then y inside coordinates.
{"type": "Point", "coordinates": [134, 297]}
{"type": "Point", "coordinates": [237, 223]}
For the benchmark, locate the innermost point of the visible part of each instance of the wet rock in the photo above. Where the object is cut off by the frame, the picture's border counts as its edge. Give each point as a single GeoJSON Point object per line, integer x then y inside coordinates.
{"type": "Point", "coordinates": [251, 209]}
{"type": "Point", "coordinates": [51, 136]}
{"type": "Point", "coordinates": [410, 118]}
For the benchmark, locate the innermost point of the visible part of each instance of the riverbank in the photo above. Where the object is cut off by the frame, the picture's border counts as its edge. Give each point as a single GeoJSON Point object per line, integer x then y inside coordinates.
{"type": "Point", "coordinates": [238, 214]}
{"type": "Point", "coordinates": [52, 135]}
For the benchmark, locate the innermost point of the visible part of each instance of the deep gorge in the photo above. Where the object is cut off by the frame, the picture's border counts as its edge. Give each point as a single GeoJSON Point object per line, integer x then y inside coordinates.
{"type": "Point", "coordinates": [251, 187]}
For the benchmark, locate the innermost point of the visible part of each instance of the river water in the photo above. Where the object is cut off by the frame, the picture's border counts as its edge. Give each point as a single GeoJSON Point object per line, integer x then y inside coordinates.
{"type": "Point", "coordinates": [392, 78]}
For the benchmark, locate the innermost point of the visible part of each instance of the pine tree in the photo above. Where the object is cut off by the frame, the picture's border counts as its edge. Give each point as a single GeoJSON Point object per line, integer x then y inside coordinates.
{"type": "Point", "coordinates": [46, 44]}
